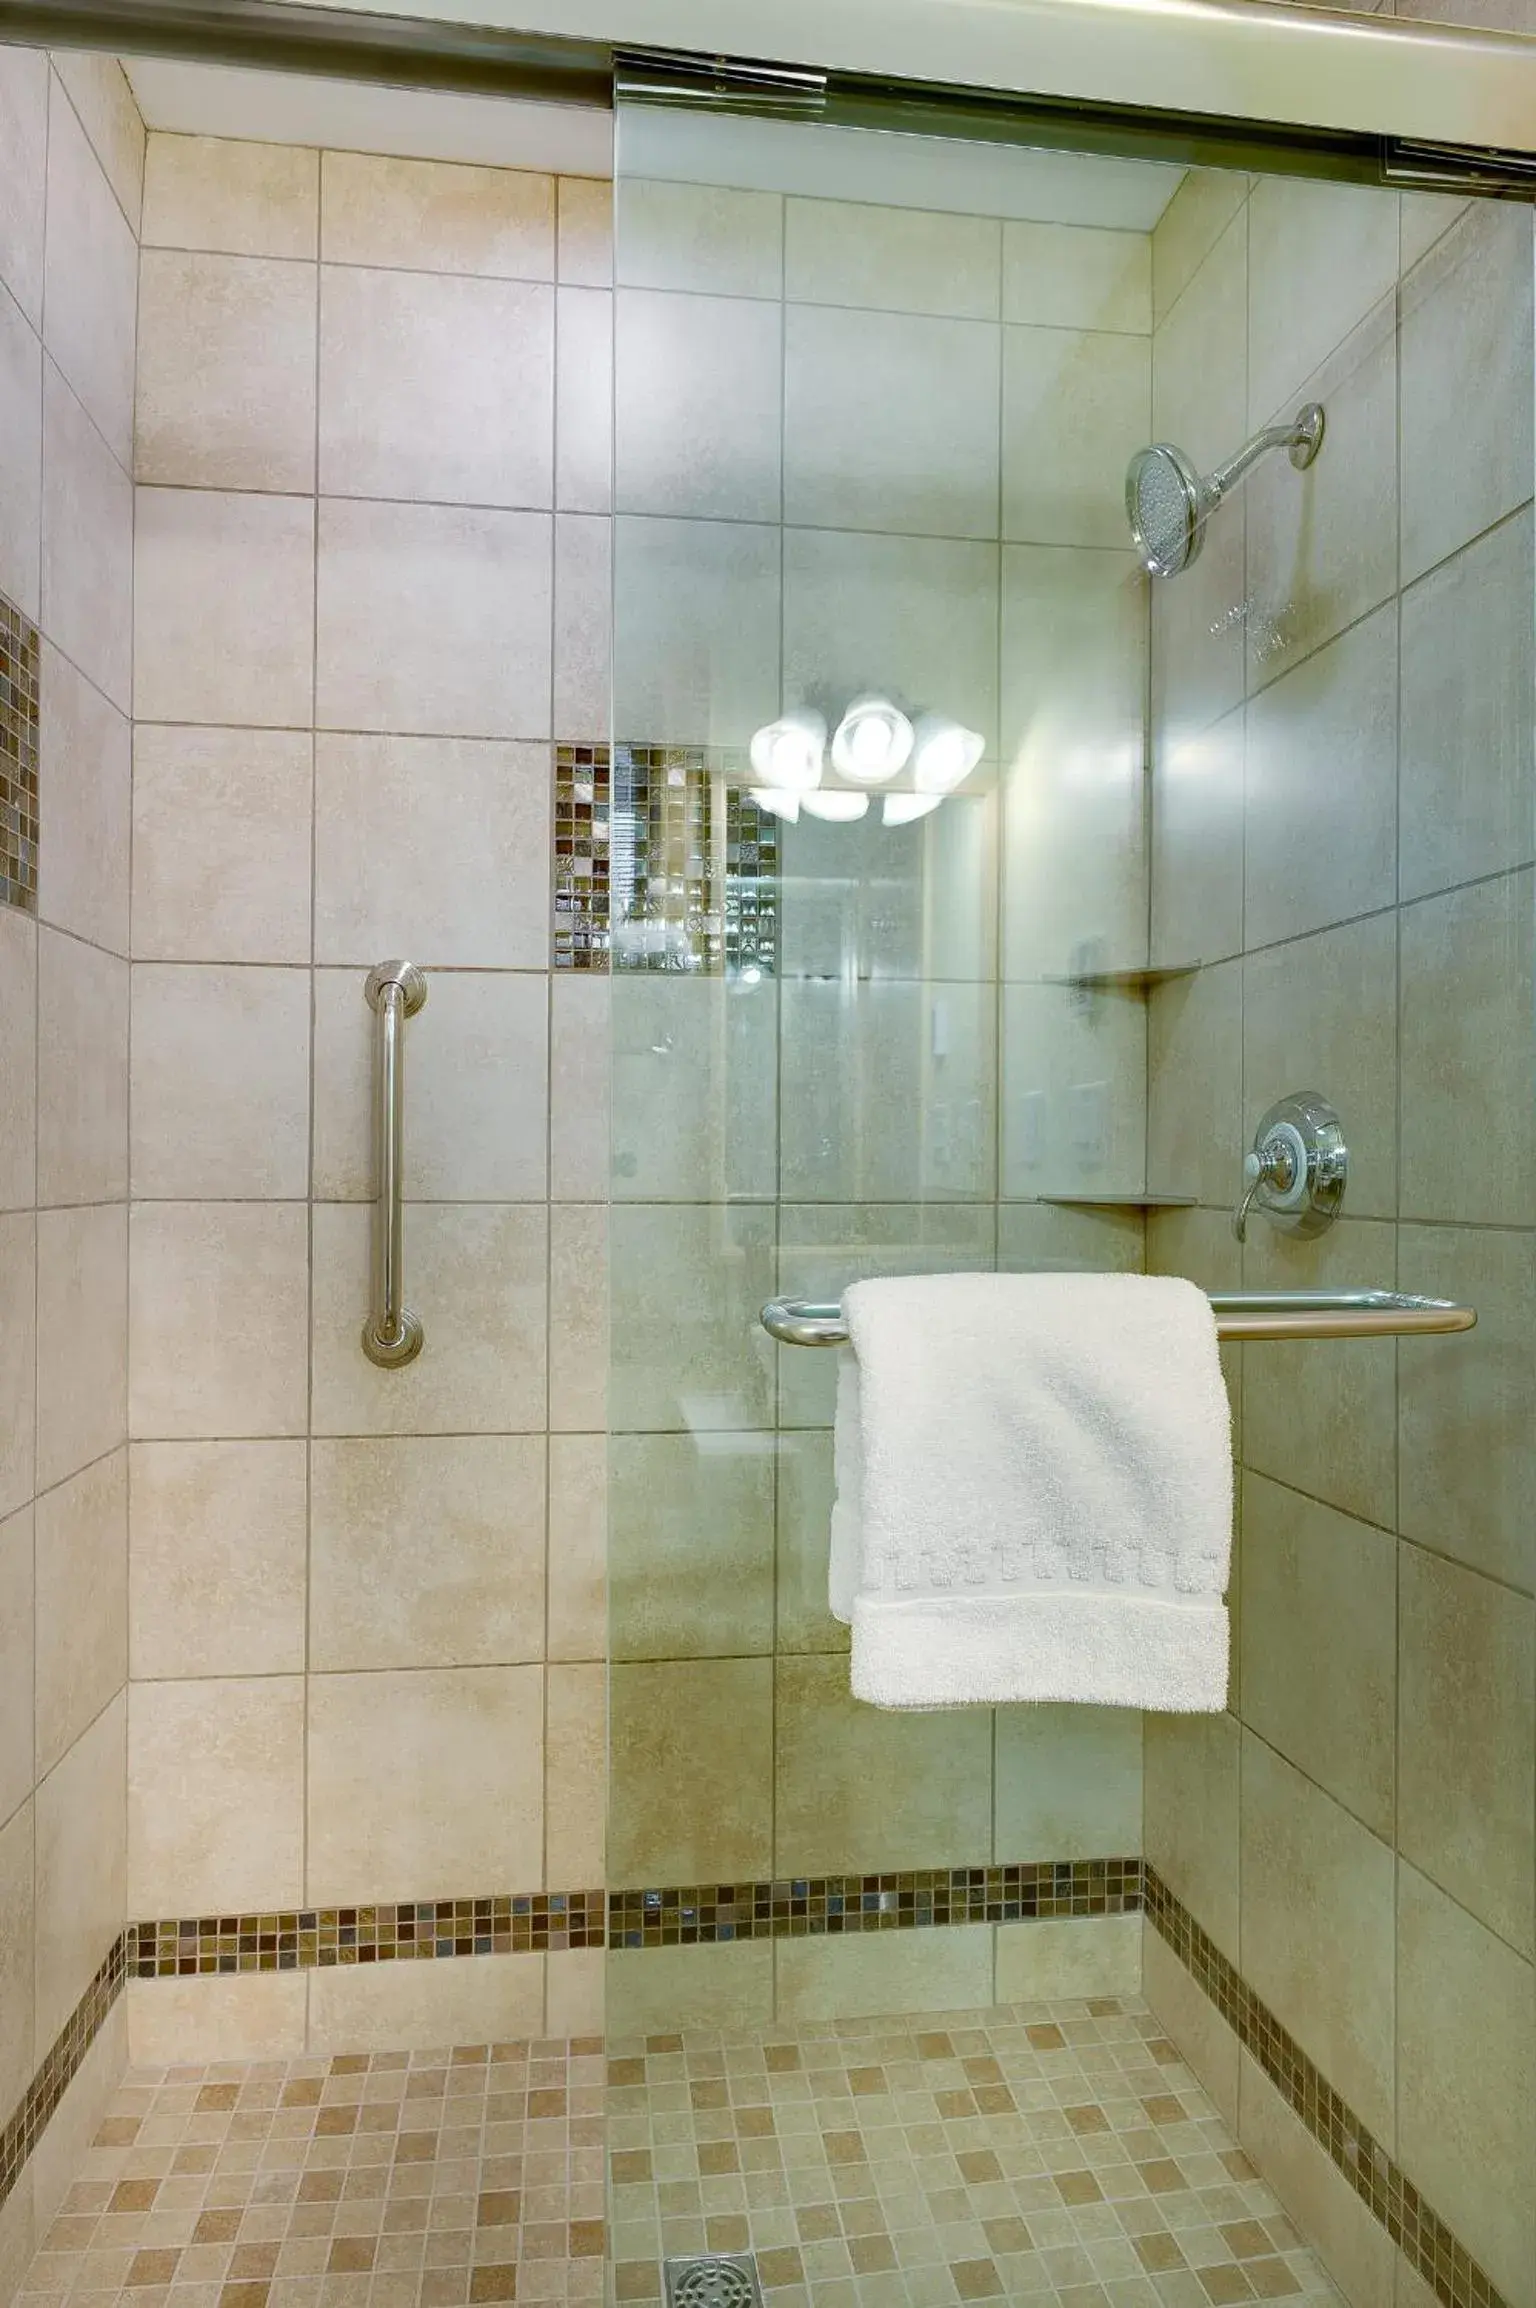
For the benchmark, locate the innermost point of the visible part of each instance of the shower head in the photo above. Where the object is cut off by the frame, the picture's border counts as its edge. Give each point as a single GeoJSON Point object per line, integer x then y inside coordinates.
{"type": "Point", "coordinates": [1169, 503]}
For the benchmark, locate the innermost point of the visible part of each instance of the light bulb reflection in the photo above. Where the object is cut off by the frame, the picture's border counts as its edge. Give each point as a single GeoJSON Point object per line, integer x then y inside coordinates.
{"type": "Point", "coordinates": [906, 808]}
{"type": "Point", "coordinates": [872, 742]}
{"type": "Point", "coordinates": [776, 802]}
{"type": "Point", "coordinates": [945, 754]}
{"type": "Point", "coordinates": [788, 753]}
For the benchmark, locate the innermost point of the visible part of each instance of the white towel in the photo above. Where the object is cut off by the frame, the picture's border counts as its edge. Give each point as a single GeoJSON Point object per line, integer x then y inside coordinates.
{"type": "Point", "coordinates": [1034, 1492]}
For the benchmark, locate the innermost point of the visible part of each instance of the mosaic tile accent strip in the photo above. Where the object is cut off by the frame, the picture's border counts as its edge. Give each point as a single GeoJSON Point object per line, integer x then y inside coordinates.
{"type": "Point", "coordinates": [662, 863]}
{"type": "Point", "coordinates": [812, 1906]}
{"type": "Point", "coordinates": [318, 1938]}
{"type": "Point", "coordinates": [20, 2136]}
{"type": "Point", "coordinates": [19, 714]}
{"type": "Point", "coordinates": [1382, 2186]}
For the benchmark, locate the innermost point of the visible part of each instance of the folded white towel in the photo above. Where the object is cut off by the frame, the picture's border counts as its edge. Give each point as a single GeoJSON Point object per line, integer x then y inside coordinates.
{"type": "Point", "coordinates": [1034, 1492]}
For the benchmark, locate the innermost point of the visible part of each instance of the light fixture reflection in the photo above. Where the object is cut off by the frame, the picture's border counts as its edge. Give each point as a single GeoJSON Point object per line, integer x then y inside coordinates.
{"type": "Point", "coordinates": [788, 753]}
{"type": "Point", "coordinates": [906, 808]}
{"type": "Point", "coordinates": [837, 808]}
{"type": "Point", "coordinates": [872, 742]}
{"type": "Point", "coordinates": [945, 753]}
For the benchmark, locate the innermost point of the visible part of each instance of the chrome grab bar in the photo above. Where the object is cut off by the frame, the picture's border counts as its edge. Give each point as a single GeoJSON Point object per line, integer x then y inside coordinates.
{"type": "Point", "coordinates": [1239, 1315]}
{"type": "Point", "coordinates": [392, 1335]}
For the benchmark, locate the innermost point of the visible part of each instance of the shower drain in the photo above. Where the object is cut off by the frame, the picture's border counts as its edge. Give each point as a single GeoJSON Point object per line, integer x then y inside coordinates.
{"type": "Point", "coordinates": [713, 2280]}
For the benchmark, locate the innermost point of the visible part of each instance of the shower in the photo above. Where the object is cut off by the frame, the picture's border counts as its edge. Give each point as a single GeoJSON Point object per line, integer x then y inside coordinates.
{"type": "Point", "coordinates": [1169, 503]}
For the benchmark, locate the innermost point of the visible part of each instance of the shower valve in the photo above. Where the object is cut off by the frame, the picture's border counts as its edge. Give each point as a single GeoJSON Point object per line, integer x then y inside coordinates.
{"type": "Point", "coordinates": [1296, 1168]}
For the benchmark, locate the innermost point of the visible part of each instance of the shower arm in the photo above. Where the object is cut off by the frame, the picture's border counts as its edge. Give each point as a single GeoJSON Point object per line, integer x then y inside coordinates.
{"type": "Point", "coordinates": [1302, 436]}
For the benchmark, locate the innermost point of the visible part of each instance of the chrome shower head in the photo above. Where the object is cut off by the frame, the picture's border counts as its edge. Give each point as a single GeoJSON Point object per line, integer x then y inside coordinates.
{"type": "Point", "coordinates": [1169, 503]}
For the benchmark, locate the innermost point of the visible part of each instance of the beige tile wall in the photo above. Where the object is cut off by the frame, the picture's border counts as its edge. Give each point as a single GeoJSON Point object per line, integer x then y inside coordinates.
{"type": "Point", "coordinates": [1345, 835]}
{"type": "Point", "coordinates": [826, 481]}
{"type": "Point", "coordinates": [71, 169]}
{"type": "Point", "coordinates": [366, 1608]}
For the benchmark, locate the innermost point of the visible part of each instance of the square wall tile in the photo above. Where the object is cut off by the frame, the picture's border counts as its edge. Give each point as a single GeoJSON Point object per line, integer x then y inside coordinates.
{"type": "Point", "coordinates": [904, 901]}
{"type": "Point", "coordinates": [1321, 1415]}
{"type": "Point", "coordinates": [1189, 229]}
{"type": "Point", "coordinates": [82, 1337]}
{"type": "Point", "coordinates": [1466, 2049]}
{"type": "Point", "coordinates": [16, 1959]}
{"type": "Point", "coordinates": [90, 282]}
{"type": "Point", "coordinates": [21, 458]}
{"type": "Point", "coordinates": [216, 1795]}
{"type": "Point", "coordinates": [80, 1867]}
{"type": "Point", "coordinates": [1318, 848]}
{"type": "Point", "coordinates": [1192, 1767]}
{"type": "Point", "coordinates": [1074, 652]}
{"type": "Point", "coordinates": [1320, 257]}
{"type": "Point", "coordinates": [18, 1359]}
{"type": "Point", "coordinates": [727, 1985]}
{"type": "Point", "coordinates": [584, 230]}
{"type": "Point", "coordinates": [1317, 1012]}
{"type": "Point", "coordinates": [1467, 1426]}
{"type": "Point", "coordinates": [221, 844]}
{"type": "Point", "coordinates": [579, 1330]}
{"type": "Point", "coordinates": [1319, 1667]}
{"type": "Point", "coordinates": [436, 387]}
{"type": "Point", "coordinates": [1076, 405]}
{"type": "Point", "coordinates": [1352, 2245]}
{"type": "Point", "coordinates": [470, 891]}
{"type": "Point", "coordinates": [433, 619]}
{"type": "Point", "coordinates": [226, 372]}
{"type": "Point", "coordinates": [82, 1071]}
{"type": "Point", "coordinates": [696, 631]}
{"type": "Point", "coordinates": [904, 260]}
{"type": "Point", "coordinates": [890, 422]}
{"type": "Point", "coordinates": [1467, 1790]}
{"type": "Point", "coordinates": [917, 615]}
{"type": "Point", "coordinates": [17, 1767]}
{"type": "Point", "coordinates": [1087, 1955]}
{"type": "Point", "coordinates": [1069, 1783]}
{"type": "Point", "coordinates": [477, 1279]}
{"type": "Point", "coordinates": [578, 1546]}
{"type": "Point", "coordinates": [426, 1778]}
{"type": "Point", "coordinates": [875, 1972]}
{"type": "Point", "coordinates": [24, 80]}
{"type": "Point", "coordinates": [224, 608]}
{"type": "Point", "coordinates": [583, 624]}
{"type": "Point", "coordinates": [1466, 383]}
{"type": "Point", "coordinates": [82, 871]}
{"type": "Point", "coordinates": [220, 1082]}
{"type": "Point", "coordinates": [719, 1138]}
{"type": "Point", "coordinates": [81, 1603]}
{"type": "Point", "coordinates": [584, 400]}
{"type": "Point", "coordinates": [1077, 277]}
{"type": "Point", "coordinates": [18, 1060]}
{"type": "Point", "coordinates": [934, 1772]}
{"type": "Point", "coordinates": [426, 1551]}
{"type": "Point", "coordinates": [1318, 1929]}
{"type": "Point", "coordinates": [218, 1568]}
{"type": "Point", "coordinates": [198, 1268]}
{"type": "Point", "coordinates": [688, 1353]}
{"type": "Point", "coordinates": [1469, 662]}
{"type": "Point", "coordinates": [579, 1088]}
{"type": "Point", "coordinates": [1194, 1083]}
{"type": "Point", "coordinates": [239, 2016]}
{"type": "Point", "coordinates": [690, 1796]}
{"type": "Point", "coordinates": [437, 216]}
{"type": "Point", "coordinates": [1074, 1093]}
{"type": "Point", "coordinates": [804, 1491]}
{"type": "Point", "coordinates": [575, 1775]}
{"type": "Point", "coordinates": [214, 192]}
{"type": "Point", "coordinates": [88, 546]}
{"type": "Point", "coordinates": [1196, 844]}
{"type": "Point", "coordinates": [888, 1091]}
{"type": "Point", "coordinates": [1466, 1051]}
{"type": "Point", "coordinates": [690, 1546]}
{"type": "Point", "coordinates": [698, 406]}
{"type": "Point", "coordinates": [714, 239]}
{"type": "Point", "coordinates": [420, 2006]}
{"type": "Point", "coordinates": [97, 87]}
{"type": "Point", "coordinates": [477, 1113]}
{"type": "Point", "coordinates": [1322, 544]}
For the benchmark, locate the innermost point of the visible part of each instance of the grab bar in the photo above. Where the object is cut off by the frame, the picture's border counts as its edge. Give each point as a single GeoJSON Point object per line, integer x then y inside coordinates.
{"type": "Point", "coordinates": [1246, 1315]}
{"type": "Point", "coordinates": [392, 1335]}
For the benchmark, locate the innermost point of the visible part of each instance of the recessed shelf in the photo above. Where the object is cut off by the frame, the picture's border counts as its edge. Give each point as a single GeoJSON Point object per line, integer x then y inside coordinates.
{"type": "Point", "coordinates": [1124, 1201]}
{"type": "Point", "coordinates": [1129, 980]}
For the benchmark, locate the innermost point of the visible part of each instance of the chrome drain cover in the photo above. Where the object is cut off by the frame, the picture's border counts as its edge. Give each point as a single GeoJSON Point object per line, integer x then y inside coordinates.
{"type": "Point", "coordinates": [712, 2280]}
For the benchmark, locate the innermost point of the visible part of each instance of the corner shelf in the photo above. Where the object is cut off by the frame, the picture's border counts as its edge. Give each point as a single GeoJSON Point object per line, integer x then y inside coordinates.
{"type": "Point", "coordinates": [1122, 1201]}
{"type": "Point", "coordinates": [1129, 981]}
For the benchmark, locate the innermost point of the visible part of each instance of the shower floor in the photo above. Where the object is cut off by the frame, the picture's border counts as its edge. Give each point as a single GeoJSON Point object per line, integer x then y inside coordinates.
{"type": "Point", "coordinates": [1057, 2152]}
{"type": "Point", "coordinates": [1036, 2152]}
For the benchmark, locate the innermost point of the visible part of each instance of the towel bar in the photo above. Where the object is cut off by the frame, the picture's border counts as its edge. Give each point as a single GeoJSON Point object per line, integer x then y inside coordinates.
{"type": "Point", "coordinates": [1239, 1315]}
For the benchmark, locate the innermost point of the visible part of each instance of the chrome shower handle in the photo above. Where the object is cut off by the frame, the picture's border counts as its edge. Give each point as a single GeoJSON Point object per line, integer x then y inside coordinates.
{"type": "Point", "coordinates": [1299, 1163]}
{"type": "Point", "coordinates": [392, 1335]}
{"type": "Point", "coordinates": [1269, 1165]}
